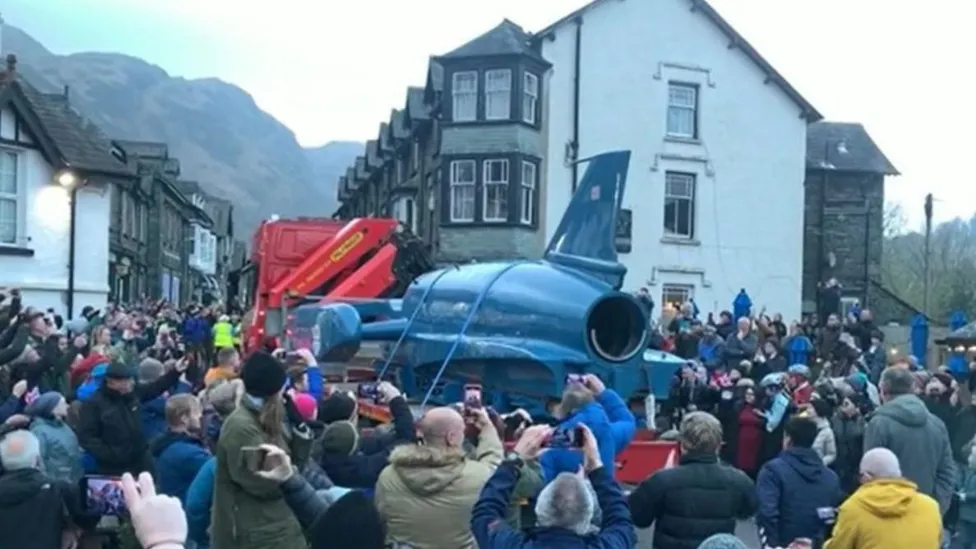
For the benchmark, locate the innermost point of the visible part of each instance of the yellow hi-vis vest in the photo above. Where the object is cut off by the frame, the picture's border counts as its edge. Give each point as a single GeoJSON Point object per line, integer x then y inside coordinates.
{"type": "Point", "coordinates": [223, 335]}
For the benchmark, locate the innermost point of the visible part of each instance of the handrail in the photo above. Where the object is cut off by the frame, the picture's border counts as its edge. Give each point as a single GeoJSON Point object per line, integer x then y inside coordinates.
{"type": "Point", "coordinates": [464, 328]}
{"type": "Point", "coordinates": [403, 334]}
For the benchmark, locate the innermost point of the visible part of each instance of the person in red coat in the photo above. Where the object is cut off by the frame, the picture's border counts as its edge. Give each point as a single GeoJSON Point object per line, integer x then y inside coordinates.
{"type": "Point", "coordinates": [750, 427]}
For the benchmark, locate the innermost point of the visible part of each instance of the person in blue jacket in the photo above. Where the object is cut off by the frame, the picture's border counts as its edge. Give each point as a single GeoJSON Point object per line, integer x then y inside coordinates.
{"type": "Point", "coordinates": [153, 412]}
{"type": "Point", "coordinates": [602, 410]}
{"type": "Point", "coordinates": [179, 454]}
{"type": "Point", "coordinates": [797, 493]}
{"type": "Point", "coordinates": [564, 508]}
{"type": "Point", "coordinates": [14, 403]}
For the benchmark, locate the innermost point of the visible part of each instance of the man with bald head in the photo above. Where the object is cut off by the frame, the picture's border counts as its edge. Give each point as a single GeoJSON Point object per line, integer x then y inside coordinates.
{"type": "Point", "coordinates": [427, 491]}
{"type": "Point", "coordinates": [887, 510]}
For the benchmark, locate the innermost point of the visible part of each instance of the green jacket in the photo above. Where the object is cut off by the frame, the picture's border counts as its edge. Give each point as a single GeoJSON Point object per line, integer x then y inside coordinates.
{"type": "Point", "coordinates": [249, 512]}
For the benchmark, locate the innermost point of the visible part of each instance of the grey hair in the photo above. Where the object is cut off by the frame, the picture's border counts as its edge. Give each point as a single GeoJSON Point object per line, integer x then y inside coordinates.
{"type": "Point", "coordinates": [20, 450]}
{"type": "Point", "coordinates": [566, 502]}
{"type": "Point", "coordinates": [700, 432]}
{"type": "Point", "coordinates": [881, 463]}
{"type": "Point", "coordinates": [897, 381]}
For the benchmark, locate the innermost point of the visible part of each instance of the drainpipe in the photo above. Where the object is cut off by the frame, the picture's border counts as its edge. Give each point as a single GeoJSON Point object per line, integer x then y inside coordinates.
{"type": "Point", "coordinates": [576, 99]}
{"type": "Point", "coordinates": [72, 237]}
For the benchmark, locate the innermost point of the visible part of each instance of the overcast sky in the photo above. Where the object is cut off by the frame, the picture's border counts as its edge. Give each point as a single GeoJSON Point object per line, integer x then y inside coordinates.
{"type": "Point", "coordinates": [332, 70]}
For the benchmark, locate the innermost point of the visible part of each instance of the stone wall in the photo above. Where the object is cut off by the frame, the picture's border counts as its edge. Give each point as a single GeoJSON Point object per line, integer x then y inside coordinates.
{"type": "Point", "coordinates": [853, 225]}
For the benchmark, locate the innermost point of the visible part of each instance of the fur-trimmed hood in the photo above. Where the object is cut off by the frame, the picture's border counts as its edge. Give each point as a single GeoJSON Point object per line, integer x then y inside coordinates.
{"type": "Point", "coordinates": [427, 470]}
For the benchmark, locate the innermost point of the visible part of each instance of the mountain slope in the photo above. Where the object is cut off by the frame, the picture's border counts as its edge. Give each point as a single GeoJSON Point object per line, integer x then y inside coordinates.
{"type": "Point", "coordinates": [221, 137]}
{"type": "Point", "coordinates": [331, 160]}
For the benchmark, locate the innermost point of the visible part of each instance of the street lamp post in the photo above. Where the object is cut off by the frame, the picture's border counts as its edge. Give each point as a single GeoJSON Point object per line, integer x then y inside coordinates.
{"type": "Point", "coordinates": [69, 181]}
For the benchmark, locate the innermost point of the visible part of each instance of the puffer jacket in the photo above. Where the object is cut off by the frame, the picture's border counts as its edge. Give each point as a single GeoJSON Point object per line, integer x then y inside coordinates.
{"type": "Point", "coordinates": [688, 503]}
{"type": "Point", "coordinates": [249, 512]}
{"type": "Point", "coordinates": [60, 450]}
{"type": "Point", "coordinates": [426, 494]}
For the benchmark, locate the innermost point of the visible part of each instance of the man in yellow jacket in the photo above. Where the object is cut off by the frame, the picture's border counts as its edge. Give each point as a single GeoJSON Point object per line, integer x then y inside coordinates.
{"type": "Point", "coordinates": [887, 511]}
{"type": "Point", "coordinates": [223, 333]}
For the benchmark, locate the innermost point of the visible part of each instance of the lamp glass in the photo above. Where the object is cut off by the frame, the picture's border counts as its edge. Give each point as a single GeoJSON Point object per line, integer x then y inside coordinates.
{"type": "Point", "coordinates": [66, 179]}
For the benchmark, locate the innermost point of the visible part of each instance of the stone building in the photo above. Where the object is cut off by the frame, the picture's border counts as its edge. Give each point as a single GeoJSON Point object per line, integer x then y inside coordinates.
{"type": "Point", "coordinates": [843, 222]}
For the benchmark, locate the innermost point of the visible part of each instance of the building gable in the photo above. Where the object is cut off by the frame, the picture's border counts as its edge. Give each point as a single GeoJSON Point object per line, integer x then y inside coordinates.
{"type": "Point", "coordinates": [20, 125]}
{"type": "Point", "coordinates": [735, 41]}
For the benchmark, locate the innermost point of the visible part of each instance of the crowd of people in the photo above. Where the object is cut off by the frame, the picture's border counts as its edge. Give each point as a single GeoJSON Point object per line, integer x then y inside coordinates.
{"type": "Point", "coordinates": [811, 430]}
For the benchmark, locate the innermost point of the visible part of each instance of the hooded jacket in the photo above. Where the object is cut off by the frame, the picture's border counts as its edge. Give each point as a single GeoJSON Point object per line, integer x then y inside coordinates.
{"type": "Point", "coordinates": [59, 449]}
{"type": "Point", "coordinates": [179, 457]}
{"type": "Point", "coordinates": [426, 494]}
{"type": "Point", "coordinates": [783, 516]}
{"type": "Point", "coordinates": [887, 513]}
{"type": "Point", "coordinates": [920, 440]}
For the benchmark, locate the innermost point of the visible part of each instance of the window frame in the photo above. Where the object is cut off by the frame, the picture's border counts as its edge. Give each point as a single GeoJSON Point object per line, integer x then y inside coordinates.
{"type": "Point", "coordinates": [695, 91]}
{"type": "Point", "coordinates": [494, 91]}
{"type": "Point", "coordinates": [453, 184]}
{"type": "Point", "coordinates": [530, 98]}
{"type": "Point", "coordinates": [693, 199]}
{"type": "Point", "coordinates": [457, 95]}
{"type": "Point", "coordinates": [527, 193]}
{"type": "Point", "coordinates": [488, 184]}
{"type": "Point", "coordinates": [688, 290]}
{"type": "Point", "coordinates": [18, 197]}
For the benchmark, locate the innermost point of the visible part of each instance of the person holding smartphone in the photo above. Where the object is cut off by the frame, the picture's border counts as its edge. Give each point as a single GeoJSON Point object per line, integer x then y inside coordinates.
{"type": "Point", "coordinates": [249, 512]}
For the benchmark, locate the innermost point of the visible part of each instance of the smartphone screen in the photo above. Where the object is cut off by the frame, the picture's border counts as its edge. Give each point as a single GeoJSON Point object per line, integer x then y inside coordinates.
{"type": "Point", "coordinates": [254, 457]}
{"type": "Point", "coordinates": [103, 495]}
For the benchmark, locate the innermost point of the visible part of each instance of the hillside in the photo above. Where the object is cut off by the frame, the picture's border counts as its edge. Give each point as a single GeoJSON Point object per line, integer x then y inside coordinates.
{"type": "Point", "coordinates": [222, 138]}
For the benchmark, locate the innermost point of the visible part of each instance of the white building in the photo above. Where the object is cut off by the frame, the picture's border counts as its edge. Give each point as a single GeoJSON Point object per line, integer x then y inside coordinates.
{"type": "Point", "coordinates": [718, 142]}
{"type": "Point", "coordinates": [203, 253]}
{"type": "Point", "coordinates": [46, 150]}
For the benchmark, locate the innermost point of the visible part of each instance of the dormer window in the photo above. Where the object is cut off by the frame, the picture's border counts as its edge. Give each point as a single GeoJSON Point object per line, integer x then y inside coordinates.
{"type": "Point", "coordinates": [498, 94]}
{"type": "Point", "coordinates": [464, 91]}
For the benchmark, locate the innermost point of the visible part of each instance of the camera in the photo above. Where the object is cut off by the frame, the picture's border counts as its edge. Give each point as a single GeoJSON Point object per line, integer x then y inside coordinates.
{"type": "Point", "coordinates": [472, 397]}
{"type": "Point", "coordinates": [571, 437]}
{"type": "Point", "coordinates": [578, 379]}
{"type": "Point", "coordinates": [368, 391]}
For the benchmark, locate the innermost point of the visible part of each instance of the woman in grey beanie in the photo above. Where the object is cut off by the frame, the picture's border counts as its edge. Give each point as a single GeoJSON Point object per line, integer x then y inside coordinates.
{"type": "Point", "coordinates": [60, 451]}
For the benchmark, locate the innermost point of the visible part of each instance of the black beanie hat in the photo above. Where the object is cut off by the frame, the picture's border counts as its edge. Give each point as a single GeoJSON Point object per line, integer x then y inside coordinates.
{"type": "Point", "coordinates": [338, 407]}
{"type": "Point", "coordinates": [263, 375]}
{"type": "Point", "coordinates": [351, 522]}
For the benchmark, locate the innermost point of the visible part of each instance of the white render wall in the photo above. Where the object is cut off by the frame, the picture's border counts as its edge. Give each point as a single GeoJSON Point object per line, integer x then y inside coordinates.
{"type": "Point", "coordinates": [749, 162]}
{"type": "Point", "coordinates": [43, 278]}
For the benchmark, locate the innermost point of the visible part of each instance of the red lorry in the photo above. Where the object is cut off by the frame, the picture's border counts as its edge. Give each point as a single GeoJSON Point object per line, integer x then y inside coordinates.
{"type": "Point", "coordinates": [298, 261]}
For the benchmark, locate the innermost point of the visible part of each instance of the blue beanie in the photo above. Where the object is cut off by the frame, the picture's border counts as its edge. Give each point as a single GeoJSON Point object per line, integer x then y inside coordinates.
{"type": "Point", "coordinates": [44, 405]}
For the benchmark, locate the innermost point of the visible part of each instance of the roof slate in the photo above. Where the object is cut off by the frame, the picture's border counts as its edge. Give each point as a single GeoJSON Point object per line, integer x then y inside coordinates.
{"type": "Point", "coordinates": [361, 172]}
{"type": "Point", "coordinates": [79, 143]}
{"type": "Point", "coordinates": [383, 137]}
{"type": "Point", "coordinates": [145, 149]}
{"type": "Point", "coordinates": [398, 125]}
{"type": "Point", "coordinates": [373, 159]}
{"type": "Point", "coordinates": [505, 39]}
{"type": "Point", "coordinates": [862, 154]}
{"type": "Point", "coordinates": [415, 109]}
